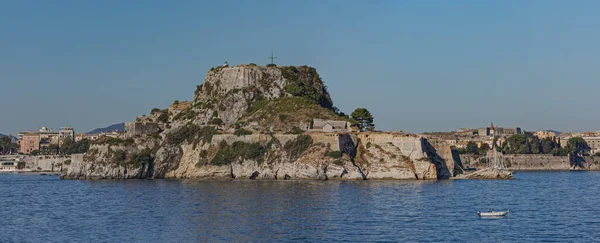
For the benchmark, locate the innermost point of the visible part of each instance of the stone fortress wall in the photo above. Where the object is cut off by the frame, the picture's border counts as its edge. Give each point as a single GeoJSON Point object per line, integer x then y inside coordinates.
{"type": "Point", "coordinates": [45, 163]}
{"type": "Point", "coordinates": [410, 145]}
{"type": "Point", "coordinates": [524, 162]}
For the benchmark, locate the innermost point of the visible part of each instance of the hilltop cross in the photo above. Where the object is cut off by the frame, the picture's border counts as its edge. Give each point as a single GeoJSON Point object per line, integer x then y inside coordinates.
{"type": "Point", "coordinates": [272, 57]}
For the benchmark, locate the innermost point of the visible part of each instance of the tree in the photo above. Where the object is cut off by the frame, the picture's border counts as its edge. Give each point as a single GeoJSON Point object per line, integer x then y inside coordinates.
{"type": "Point", "coordinates": [535, 145]}
{"type": "Point", "coordinates": [577, 146]}
{"type": "Point", "coordinates": [516, 144]}
{"type": "Point", "coordinates": [472, 148]}
{"type": "Point", "coordinates": [78, 147]}
{"type": "Point", "coordinates": [484, 148]}
{"type": "Point", "coordinates": [363, 119]}
{"type": "Point", "coordinates": [7, 146]}
{"type": "Point", "coordinates": [548, 145]}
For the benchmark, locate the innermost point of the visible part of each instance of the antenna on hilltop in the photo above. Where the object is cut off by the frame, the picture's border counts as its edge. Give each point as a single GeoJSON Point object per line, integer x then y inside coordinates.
{"type": "Point", "coordinates": [272, 57]}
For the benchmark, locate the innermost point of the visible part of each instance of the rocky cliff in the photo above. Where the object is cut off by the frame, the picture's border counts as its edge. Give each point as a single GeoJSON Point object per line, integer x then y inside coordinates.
{"type": "Point", "coordinates": [247, 121]}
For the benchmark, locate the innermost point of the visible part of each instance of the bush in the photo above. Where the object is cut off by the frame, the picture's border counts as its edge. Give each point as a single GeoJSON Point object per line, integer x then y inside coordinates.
{"type": "Point", "coordinates": [334, 154]}
{"type": "Point", "coordinates": [257, 105]}
{"type": "Point", "coordinates": [143, 157]}
{"type": "Point", "coordinates": [239, 150]}
{"type": "Point", "coordinates": [295, 130]}
{"type": "Point", "coordinates": [118, 156]}
{"type": "Point", "coordinates": [305, 81]}
{"type": "Point", "coordinates": [114, 141]}
{"type": "Point", "coordinates": [215, 121]}
{"type": "Point", "coordinates": [338, 162]}
{"type": "Point", "coordinates": [282, 117]}
{"type": "Point", "coordinates": [164, 117]}
{"type": "Point", "coordinates": [191, 133]}
{"type": "Point", "coordinates": [297, 146]}
{"type": "Point", "coordinates": [79, 147]}
{"type": "Point", "coordinates": [271, 65]}
{"type": "Point", "coordinates": [241, 132]}
{"type": "Point", "coordinates": [186, 114]}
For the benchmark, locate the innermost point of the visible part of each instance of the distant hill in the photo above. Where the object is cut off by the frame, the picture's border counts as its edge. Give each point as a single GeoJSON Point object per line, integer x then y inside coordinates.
{"type": "Point", "coordinates": [119, 126]}
{"type": "Point", "coordinates": [556, 132]}
{"type": "Point", "coordinates": [11, 137]}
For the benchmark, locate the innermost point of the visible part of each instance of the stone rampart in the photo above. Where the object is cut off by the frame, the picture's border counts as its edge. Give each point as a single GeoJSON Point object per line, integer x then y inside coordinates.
{"type": "Point", "coordinates": [253, 138]}
{"type": "Point", "coordinates": [45, 163]}
{"type": "Point", "coordinates": [409, 145]}
{"type": "Point", "coordinates": [328, 139]}
{"type": "Point", "coordinates": [526, 162]}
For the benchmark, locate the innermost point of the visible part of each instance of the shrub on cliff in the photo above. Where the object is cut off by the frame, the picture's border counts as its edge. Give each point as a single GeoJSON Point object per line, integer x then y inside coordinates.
{"type": "Point", "coordinates": [79, 147]}
{"type": "Point", "coordinates": [242, 132]}
{"type": "Point", "coordinates": [305, 81]}
{"type": "Point", "coordinates": [142, 157]}
{"type": "Point", "coordinates": [215, 121]}
{"type": "Point", "coordinates": [297, 146]}
{"type": "Point", "coordinates": [118, 157]}
{"type": "Point", "coordinates": [238, 150]}
{"type": "Point", "coordinates": [191, 133]}
{"type": "Point", "coordinates": [187, 114]}
{"type": "Point", "coordinates": [334, 154]}
{"type": "Point", "coordinates": [113, 141]}
{"type": "Point", "coordinates": [163, 117]}
{"type": "Point", "coordinates": [295, 130]}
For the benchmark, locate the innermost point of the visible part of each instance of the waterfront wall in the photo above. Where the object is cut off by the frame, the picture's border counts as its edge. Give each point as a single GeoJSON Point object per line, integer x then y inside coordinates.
{"type": "Point", "coordinates": [44, 163]}
{"type": "Point", "coordinates": [534, 162]}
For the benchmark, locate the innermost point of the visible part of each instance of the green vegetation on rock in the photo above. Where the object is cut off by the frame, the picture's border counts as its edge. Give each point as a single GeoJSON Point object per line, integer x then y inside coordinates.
{"type": "Point", "coordinates": [295, 130]}
{"type": "Point", "coordinates": [79, 147]}
{"type": "Point", "coordinates": [297, 146]}
{"type": "Point", "coordinates": [334, 154]}
{"type": "Point", "coordinates": [114, 141]}
{"type": "Point", "coordinates": [186, 114]}
{"type": "Point", "coordinates": [305, 81]}
{"type": "Point", "coordinates": [242, 132]}
{"type": "Point", "coordinates": [215, 121]}
{"type": "Point", "coordinates": [191, 133]}
{"type": "Point", "coordinates": [239, 151]}
{"type": "Point", "coordinates": [142, 157]}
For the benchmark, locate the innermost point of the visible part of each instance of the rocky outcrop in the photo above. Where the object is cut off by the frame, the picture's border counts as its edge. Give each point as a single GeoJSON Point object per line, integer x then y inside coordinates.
{"type": "Point", "coordinates": [240, 126]}
{"type": "Point", "coordinates": [490, 173]}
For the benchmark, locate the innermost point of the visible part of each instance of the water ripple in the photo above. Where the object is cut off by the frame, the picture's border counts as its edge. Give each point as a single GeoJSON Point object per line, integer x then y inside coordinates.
{"type": "Point", "coordinates": [545, 207]}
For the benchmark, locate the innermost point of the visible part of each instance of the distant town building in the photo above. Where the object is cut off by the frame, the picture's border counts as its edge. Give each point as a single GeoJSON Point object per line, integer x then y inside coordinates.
{"type": "Point", "coordinates": [91, 137]}
{"type": "Point", "coordinates": [593, 142]}
{"type": "Point", "coordinates": [320, 125]}
{"type": "Point", "coordinates": [140, 128]}
{"type": "Point", "coordinates": [541, 134]}
{"type": "Point", "coordinates": [34, 141]}
{"type": "Point", "coordinates": [29, 142]}
{"type": "Point", "coordinates": [492, 131]}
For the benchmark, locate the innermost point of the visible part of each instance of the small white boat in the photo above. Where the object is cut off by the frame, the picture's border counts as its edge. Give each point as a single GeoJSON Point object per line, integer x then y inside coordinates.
{"type": "Point", "coordinates": [493, 213]}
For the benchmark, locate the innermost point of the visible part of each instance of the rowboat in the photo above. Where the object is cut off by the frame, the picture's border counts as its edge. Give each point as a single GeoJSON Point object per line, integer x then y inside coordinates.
{"type": "Point", "coordinates": [493, 213]}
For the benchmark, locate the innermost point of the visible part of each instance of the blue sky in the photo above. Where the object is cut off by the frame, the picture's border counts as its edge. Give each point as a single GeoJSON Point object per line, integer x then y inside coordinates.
{"type": "Point", "coordinates": [417, 65]}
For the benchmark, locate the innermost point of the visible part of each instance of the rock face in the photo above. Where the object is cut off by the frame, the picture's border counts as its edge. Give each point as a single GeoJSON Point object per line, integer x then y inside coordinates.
{"type": "Point", "coordinates": [490, 173]}
{"type": "Point", "coordinates": [246, 122]}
